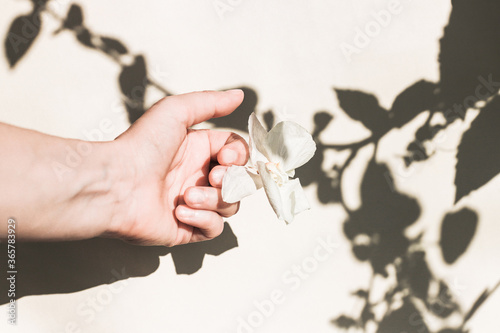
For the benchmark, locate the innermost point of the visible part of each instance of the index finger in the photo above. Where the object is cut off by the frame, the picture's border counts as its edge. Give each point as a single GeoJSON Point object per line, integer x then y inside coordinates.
{"type": "Point", "coordinates": [228, 148]}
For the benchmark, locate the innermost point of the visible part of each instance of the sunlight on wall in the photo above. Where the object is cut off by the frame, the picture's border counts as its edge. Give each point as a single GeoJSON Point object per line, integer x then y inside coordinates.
{"type": "Point", "coordinates": [291, 55]}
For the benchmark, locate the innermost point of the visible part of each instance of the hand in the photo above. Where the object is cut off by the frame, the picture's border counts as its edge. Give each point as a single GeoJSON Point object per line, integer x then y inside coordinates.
{"type": "Point", "coordinates": [169, 196]}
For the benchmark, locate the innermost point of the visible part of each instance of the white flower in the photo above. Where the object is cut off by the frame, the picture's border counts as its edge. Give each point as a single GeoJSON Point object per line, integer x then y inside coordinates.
{"type": "Point", "coordinates": [274, 156]}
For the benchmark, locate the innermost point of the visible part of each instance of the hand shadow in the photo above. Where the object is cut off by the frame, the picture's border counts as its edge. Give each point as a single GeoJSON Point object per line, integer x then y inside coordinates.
{"type": "Point", "coordinates": [66, 267]}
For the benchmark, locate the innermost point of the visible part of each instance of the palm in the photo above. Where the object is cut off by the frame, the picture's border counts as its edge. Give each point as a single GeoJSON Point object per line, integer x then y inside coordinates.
{"type": "Point", "coordinates": [168, 160]}
{"type": "Point", "coordinates": [162, 190]}
{"type": "Point", "coordinates": [191, 167]}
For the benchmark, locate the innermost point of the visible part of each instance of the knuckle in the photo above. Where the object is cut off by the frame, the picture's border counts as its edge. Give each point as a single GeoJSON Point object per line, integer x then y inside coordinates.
{"type": "Point", "coordinates": [220, 228]}
{"type": "Point", "coordinates": [230, 210]}
{"type": "Point", "coordinates": [216, 228]}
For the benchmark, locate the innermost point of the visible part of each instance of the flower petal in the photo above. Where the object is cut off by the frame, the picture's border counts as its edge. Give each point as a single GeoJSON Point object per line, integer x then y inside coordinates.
{"type": "Point", "coordinates": [295, 196]}
{"type": "Point", "coordinates": [257, 133]}
{"type": "Point", "coordinates": [290, 144]}
{"type": "Point", "coordinates": [272, 190]}
{"type": "Point", "coordinates": [239, 182]}
{"type": "Point", "coordinates": [287, 200]}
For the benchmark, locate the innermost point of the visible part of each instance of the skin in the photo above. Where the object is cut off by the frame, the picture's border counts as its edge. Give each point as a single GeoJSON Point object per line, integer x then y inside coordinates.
{"type": "Point", "coordinates": [152, 185]}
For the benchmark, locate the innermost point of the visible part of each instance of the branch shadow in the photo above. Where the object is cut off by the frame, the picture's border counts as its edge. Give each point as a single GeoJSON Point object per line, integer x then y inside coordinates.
{"type": "Point", "coordinates": [469, 70]}
{"type": "Point", "coordinates": [65, 267]}
{"type": "Point", "coordinates": [469, 63]}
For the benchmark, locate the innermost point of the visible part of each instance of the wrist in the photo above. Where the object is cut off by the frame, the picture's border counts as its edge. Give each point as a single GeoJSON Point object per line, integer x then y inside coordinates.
{"type": "Point", "coordinates": [105, 188]}
{"type": "Point", "coordinates": [61, 189]}
{"type": "Point", "coordinates": [94, 184]}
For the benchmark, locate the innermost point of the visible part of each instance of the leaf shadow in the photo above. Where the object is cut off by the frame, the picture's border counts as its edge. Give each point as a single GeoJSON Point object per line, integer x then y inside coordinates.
{"type": "Point", "coordinates": [65, 267]}
{"type": "Point", "coordinates": [470, 51]}
{"type": "Point", "coordinates": [21, 35]}
{"type": "Point", "coordinates": [469, 71]}
{"type": "Point", "coordinates": [478, 157]}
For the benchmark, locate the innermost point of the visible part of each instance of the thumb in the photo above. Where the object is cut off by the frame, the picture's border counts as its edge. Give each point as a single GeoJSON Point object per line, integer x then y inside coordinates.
{"type": "Point", "coordinates": [166, 122]}
{"type": "Point", "coordinates": [193, 108]}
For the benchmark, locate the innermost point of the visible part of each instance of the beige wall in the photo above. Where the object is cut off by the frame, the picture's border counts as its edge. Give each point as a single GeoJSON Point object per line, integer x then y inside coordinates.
{"type": "Point", "coordinates": [290, 53]}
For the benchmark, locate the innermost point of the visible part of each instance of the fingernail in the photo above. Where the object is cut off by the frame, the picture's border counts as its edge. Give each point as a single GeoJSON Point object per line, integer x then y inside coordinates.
{"type": "Point", "coordinates": [196, 196]}
{"type": "Point", "coordinates": [229, 156]}
{"type": "Point", "coordinates": [217, 175]}
{"type": "Point", "coordinates": [184, 212]}
{"type": "Point", "coordinates": [235, 91]}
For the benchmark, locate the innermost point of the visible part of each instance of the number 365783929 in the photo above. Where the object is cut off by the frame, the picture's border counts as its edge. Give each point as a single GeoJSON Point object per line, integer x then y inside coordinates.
{"type": "Point", "coordinates": [11, 251]}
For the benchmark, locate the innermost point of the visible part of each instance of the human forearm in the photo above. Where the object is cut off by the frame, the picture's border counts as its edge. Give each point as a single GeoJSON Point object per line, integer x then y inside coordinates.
{"type": "Point", "coordinates": [152, 185]}
{"type": "Point", "coordinates": [56, 188]}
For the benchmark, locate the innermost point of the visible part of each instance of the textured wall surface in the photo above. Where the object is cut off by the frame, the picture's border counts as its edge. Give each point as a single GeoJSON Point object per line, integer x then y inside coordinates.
{"type": "Point", "coordinates": [400, 98]}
